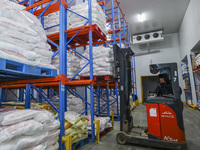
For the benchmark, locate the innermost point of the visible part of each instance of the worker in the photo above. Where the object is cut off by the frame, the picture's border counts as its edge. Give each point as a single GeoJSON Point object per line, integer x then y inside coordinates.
{"type": "Point", "coordinates": [164, 87]}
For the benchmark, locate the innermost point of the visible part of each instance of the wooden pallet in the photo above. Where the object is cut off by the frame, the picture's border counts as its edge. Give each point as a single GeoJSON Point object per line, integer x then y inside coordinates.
{"type": "Point", "coordinates": [106, 131]}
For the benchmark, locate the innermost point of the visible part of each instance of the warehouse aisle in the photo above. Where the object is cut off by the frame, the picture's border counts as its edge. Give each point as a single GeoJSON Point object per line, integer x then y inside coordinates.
{"type": "Point", "coordinates": [191, 121]}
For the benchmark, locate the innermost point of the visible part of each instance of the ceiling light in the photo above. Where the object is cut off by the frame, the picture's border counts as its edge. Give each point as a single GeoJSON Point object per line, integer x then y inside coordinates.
{"type": "Point", "coordinates": [141, 17]}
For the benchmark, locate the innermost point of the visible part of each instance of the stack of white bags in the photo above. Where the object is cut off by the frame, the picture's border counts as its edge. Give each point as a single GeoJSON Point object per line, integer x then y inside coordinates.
{"type": "Point", "coordinates": [78, 129]}
{"type": "Point", "coordinates": [28, 130]}
{"type": "Point", "coordinates": [197, 60]}
{"type": "Point", "coordinates": [73, 64]}
{"type": "Point", "coordinates": [75, 104]}
{"type": "Point", "coordinates": [98, 16]}
{"type": "Point", "coordinates": [184, 69]}
{"type": "Point", "coordinates": [103, 61]}
{"type": "Point", "coordinates": [73, 20]}
{"type": "Point", "coordinates": [22, 37]}
{"type": "Point", "coordinates": [104, 122]}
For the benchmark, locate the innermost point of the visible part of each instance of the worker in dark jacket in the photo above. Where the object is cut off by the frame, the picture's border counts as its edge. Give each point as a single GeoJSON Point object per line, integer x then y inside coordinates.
{"type": "Point", "coordinates": [164, 87]}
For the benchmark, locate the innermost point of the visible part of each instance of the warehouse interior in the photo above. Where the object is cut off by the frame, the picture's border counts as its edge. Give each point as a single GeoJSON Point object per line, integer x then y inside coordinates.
{"type": "Point", "coordinates": [99, 74]}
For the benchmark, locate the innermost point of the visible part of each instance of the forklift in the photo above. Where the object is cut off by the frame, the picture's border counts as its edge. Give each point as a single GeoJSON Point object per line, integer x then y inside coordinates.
{"type": "Point", "coordinates": [164, 113]}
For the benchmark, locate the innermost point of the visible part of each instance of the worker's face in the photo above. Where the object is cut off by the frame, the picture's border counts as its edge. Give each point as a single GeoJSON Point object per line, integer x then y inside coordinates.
{"type": "Point", "coordinates": [162, 80]}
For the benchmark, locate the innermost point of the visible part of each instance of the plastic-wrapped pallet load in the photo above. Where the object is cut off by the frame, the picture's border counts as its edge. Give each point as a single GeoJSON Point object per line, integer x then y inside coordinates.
{"type": "Point", "coordinates": [78, 129]}
{"type": "Point", "coordinates": [73, 20]}
{"type": "Point", "coordinates": [28, 129]}
{"type": "Point", "coordinates": [103, 61]}
{"type": "Point", "coordinates": [22, 37]}
{"type": "Point", "coordinates": [73, 64]}
{"type": "Point", "coordinates": [104, 122]}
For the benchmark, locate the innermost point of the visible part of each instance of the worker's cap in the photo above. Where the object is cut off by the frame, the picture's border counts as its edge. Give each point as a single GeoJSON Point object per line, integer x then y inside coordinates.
{"type": "Point", "coordinates": [164, 76]}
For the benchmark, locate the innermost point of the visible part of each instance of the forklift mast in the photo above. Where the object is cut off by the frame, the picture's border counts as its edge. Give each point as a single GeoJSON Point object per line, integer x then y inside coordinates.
{"type": "Point", "coordinates": [122, 61]}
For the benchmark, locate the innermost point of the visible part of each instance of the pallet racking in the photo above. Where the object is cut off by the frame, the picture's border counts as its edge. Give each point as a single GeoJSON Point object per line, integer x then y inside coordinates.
{"type": "Point", "coordinates": [69, 39]}
{"type": "Point", "coordinates": [196, 77]}
{"type": "Point", "coordinates": [186, 76]}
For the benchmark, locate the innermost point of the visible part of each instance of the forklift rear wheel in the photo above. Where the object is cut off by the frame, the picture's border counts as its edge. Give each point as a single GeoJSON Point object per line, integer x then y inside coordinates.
{"type": "Point", "coordinates": [121, 139]}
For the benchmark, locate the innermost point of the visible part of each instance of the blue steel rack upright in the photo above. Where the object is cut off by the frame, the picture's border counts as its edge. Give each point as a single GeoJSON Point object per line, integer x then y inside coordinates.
{"type": "Point", "coordinates": [119, 31]}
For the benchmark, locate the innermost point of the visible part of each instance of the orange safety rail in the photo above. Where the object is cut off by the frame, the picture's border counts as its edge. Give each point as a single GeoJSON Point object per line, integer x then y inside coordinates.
{"type": "Point", "coordinates": [127, 44]}
{"type": "Point", "coordinates": [82, 37]}
{"type": "Point", "coordinates": [116, 30]}
{"type": "Point", "coordinates": [51, 9]}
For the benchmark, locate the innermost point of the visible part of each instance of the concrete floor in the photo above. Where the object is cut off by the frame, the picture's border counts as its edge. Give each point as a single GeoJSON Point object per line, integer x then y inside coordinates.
{"type": "Point", "coordinates": [192, 129]}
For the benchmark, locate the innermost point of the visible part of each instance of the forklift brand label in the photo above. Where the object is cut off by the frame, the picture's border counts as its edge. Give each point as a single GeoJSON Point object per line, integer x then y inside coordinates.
{"type": "Point", "coordinates": [153, 112]}
{"type": "Point", "coordinates": [168, 138]}
{"type": "Point", "coordinates": [167, 114]}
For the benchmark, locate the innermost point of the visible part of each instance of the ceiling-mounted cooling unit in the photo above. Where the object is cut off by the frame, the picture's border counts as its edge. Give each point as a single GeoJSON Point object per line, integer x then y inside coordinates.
{"type": "Point", "coordinates": [148, 37]}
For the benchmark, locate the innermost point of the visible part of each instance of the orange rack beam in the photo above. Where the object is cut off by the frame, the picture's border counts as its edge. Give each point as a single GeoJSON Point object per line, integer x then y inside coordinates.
{"type": "Point", "coordinates": [117, 39]}
{"type": "Point", "coordinates": [94, 43]}
{"type": "Point", "coordinates": [104, 84]}
{"type": "Point", "coordinates": [54, 79]}
{"type": "Point", "coordinates": [195, 70]}
{"type": "Point", "coordinates": [108, 20]}
{"type": "Point", "coordinates": [116, 30]}
{"type": "Point", "coordinates": [53, 8]}
{"type": "Point", "coordinates": [82, 37]}
{"type": "Point", "coordinates": [37, 4]}
{"type": "Point", "coordinates": [47, 84]}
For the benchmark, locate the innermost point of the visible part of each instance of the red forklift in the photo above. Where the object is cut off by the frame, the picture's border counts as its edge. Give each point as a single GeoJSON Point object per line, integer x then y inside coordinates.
{"type": "Point", "coordinates": [164, 113]}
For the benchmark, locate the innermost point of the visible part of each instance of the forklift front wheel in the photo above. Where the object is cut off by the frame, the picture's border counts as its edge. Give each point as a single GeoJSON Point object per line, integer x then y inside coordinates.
{"type": "Point", "coordinates": [121, 139]}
